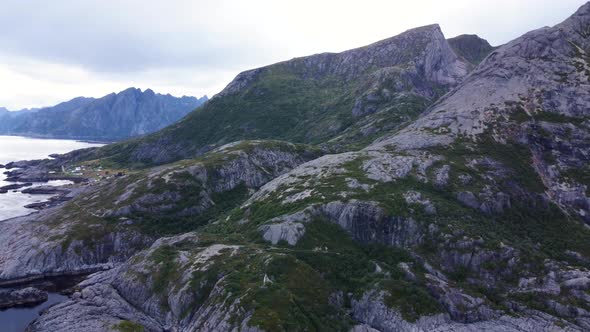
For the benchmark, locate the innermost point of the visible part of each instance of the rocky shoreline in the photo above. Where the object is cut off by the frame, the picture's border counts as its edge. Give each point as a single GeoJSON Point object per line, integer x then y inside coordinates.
{"type": "Point", "coordinates": [32, 292]}
{"type": "Point", "coordinates": [25, 173]}
{"type": "Point", "coordinates": [30, 296]}
{"type": "Point", "coordinates": [39, 171]}
{"type": "Point", "coordinates": [15, 186]}
{"type": "Point", "coordinates": [37, 279]}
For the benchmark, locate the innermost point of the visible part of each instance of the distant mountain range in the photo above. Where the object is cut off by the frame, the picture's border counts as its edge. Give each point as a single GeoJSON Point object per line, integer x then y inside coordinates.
{"type": "Point", "coordinates": [113, 117]}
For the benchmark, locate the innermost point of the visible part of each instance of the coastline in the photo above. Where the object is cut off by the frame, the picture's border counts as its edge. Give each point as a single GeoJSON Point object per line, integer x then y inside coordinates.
{"type": "Point", "coordinates": [81, 139]}
{"type": "Point", "coordinates": [33, 160]}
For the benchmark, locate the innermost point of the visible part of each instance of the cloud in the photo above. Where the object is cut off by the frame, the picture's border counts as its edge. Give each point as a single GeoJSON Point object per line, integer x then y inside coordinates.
{"type": "Point", "coordinates": [121, 36]}
{"type": "Point", "coordinates": [55, 50]}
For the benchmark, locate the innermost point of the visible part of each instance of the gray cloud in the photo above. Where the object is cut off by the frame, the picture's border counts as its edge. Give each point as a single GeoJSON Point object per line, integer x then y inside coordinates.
{"type": "Point", "coordinates": [115, 36]}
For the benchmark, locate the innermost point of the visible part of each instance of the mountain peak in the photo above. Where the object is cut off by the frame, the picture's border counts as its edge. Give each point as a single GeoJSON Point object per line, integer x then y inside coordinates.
{"type": "Point", "coordinates": [579, 22]}
{"type": "Point", "coordinates": [424, 47]}
{"type": "Point", "coordinates": [430, 28]}
{"type": "Point", "coordinates": [543, 71]}
{"type": "Point", "coordinates": [130, 90]}
{"type": "Point", "coordinates": [471, 47]}
{"type": "Point", "coordinates": [584, 10]}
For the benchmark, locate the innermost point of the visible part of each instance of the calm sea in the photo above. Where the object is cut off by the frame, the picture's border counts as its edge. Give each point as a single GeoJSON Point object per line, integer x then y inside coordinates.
{"type": "Point", "coordinates": [13, 148]}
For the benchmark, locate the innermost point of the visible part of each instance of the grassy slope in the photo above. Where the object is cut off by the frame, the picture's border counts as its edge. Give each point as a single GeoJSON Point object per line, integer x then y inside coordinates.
{"type": "Point", "coordinates": [297, 101]}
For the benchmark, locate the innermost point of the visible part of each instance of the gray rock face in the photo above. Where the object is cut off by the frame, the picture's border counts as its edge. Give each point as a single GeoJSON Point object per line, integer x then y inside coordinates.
{"type": "Point", "coordinates": [97, 308]}
{"type": "Point", "coordinates": [34, 248]}
{"type": "Point", "coordinates": [371, 310]}
{"type": "Point", "coordinates": [515, 72]}
{"type": "Point", "coordinates": [538, 82]}
{"type": "Point", "coordinates": [113, 117]}
{"type": "Point", "coordinates": [250, 164]}
{"type": "Point", "coordinates": [365, 221]}
{"type": "Point", "coordinates": [286, 231]}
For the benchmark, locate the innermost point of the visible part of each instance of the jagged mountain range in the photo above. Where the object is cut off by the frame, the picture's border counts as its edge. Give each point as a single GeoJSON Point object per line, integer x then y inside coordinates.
{"type": "Point", "coordinates": [415, 184]}
{"type": "Point", "coordinates": [113, 117]}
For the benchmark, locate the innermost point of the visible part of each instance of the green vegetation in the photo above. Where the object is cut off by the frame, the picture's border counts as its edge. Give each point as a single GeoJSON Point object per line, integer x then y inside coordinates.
{"type": "Point", "coordinates": [519, 115]}
{"type": "Point", "coordinates": [579, 175]}
{"type": "Point", "coordinates": [164, 257]}
{"type": "Point", "coordinates": [296, 300]}
{"type": "Point", "coordinates": [556, 118]}
{"type": "Point", "coordinates": [515, 157]}
{"type": "Point", "coordinates": [391, 115]}
{"type": "Point", "coordinates": [325, 261]}
{"type": "Point", "coordinates": [171, 222]}
{"type": "Point", "coordinates": [127, 326]}
{"type": "Point", "coordinates": [412, 300]}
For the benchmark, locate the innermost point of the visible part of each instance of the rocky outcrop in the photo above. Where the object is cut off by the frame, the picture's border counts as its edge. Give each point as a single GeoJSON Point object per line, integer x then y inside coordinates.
{"type": "Point", "coordinates": [371, 310]}
{"type": "Point", "coordinates": [424, 47]}
{"type": "Point", "coordinates": [34, 251]}
{"type": "Point", "coordinates": [15, 186]}
{"type": "Point", "coordinates": [21, 297]}
{"type": "Point", "coordinates": [192, 188]}
{"type": "Point", "coordinates": [45, 190]}
{"type": "Point", "coordinates": [509, 140]}
{"type": "Point", "coordinates": [365, 221]}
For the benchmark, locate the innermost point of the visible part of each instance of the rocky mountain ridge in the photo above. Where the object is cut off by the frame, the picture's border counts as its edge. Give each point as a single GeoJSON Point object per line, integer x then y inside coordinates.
{"type": "Point", "coordinates": [340, 99]}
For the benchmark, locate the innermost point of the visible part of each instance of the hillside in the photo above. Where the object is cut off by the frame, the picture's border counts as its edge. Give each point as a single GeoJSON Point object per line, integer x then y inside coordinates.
{"type": "Point", "coordinates": [346, 99]}
{"type": "Point", "coordinates": [113, 117]}
{"type": "Point", "coordinates": [471, 214]}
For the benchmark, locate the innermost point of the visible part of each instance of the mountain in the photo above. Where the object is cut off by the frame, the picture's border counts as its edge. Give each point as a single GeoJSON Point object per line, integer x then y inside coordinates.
{"type": "Point", "coordinates": [113, 117]}
{"type": "Point", "coordinates": [345, 99]}
{"type": "Point", "coordinates": [471, 47]}
{"type": "Point", "coordinates": [472, 216]}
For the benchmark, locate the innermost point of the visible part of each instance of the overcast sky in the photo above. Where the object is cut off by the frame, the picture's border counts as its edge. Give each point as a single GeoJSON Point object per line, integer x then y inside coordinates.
{"type": "Point", "coordinates": [52, 51]}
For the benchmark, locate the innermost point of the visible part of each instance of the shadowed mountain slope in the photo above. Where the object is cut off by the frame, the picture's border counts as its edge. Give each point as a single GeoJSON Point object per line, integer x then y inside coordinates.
{"type": "Point", "coordinates": [113, 117]}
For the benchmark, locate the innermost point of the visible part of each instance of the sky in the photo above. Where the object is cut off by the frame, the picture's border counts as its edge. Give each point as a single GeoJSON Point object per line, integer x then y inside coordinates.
{"type": "Point", "coordinates": [53, 51]}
